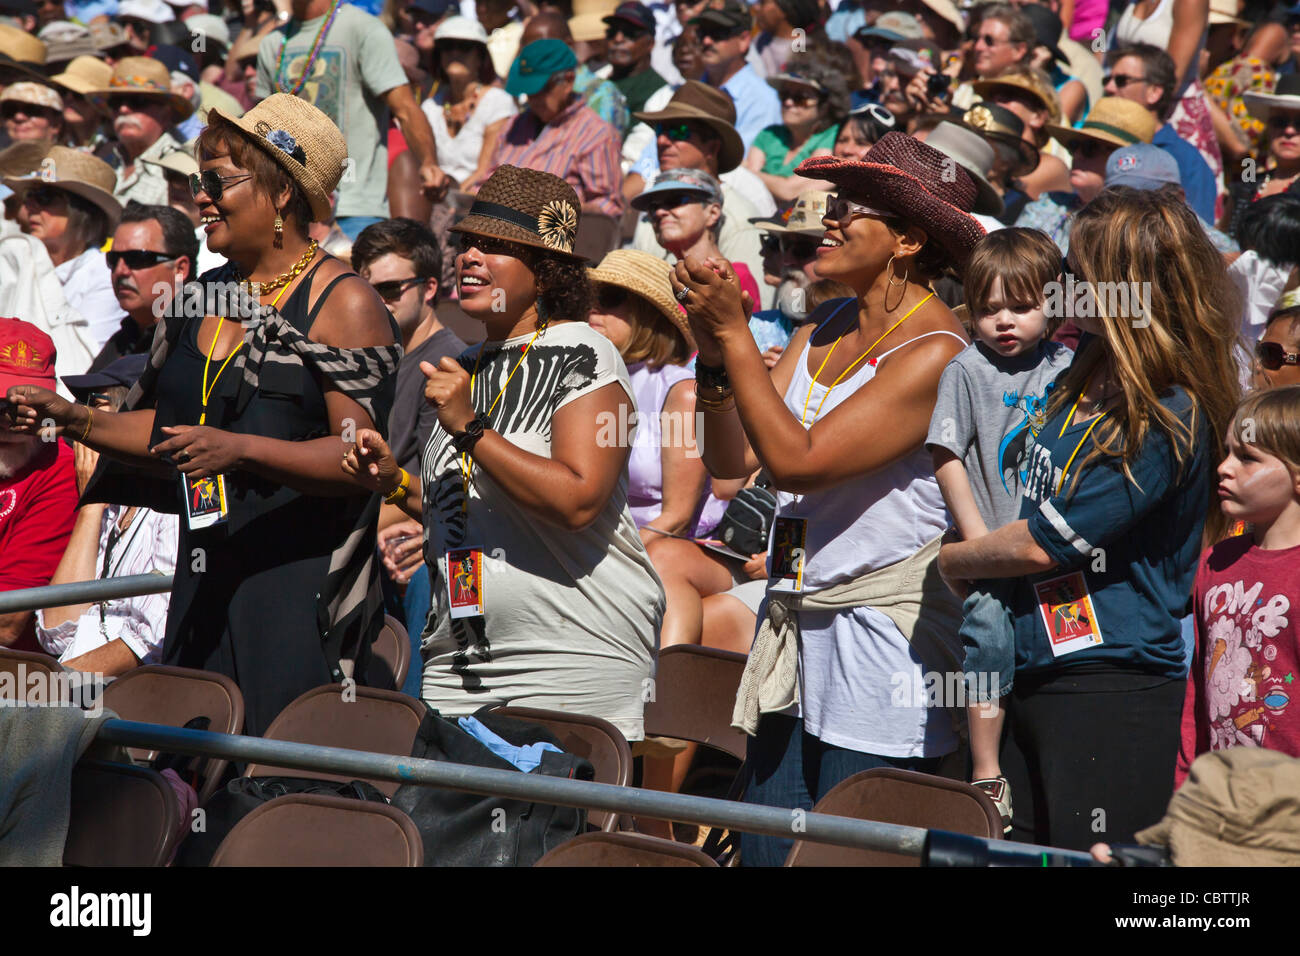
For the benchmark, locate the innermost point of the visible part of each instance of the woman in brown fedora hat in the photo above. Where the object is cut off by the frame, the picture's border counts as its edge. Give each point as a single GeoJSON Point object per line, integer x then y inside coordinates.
{"type": "Point", "coordinates": [543, 593]}
{"type": "Point", "coordinates": [839, 424]}
{"type": "Point", "coordinates": [236, 423]}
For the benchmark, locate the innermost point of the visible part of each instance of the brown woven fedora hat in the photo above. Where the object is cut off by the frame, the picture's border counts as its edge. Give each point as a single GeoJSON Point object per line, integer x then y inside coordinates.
{"type": "Point", "coordinates": [76, 172]}
{"type": "Point", "coordinates": [704, 104]}
{"type": "Point", "coordinates": [916, 182]}
{"type": "Point", "coordinates": [301, 139]}
{"type": "Point", "coordinates": [646, 276]}
{"type": "Point", "coordinates": [529, 207]}
{"type": "Point", "coordinates": [139, 75]}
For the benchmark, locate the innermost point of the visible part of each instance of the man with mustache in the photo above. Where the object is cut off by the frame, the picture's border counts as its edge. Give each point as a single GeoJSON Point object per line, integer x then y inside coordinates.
{"type": "Point", "coordinates": [154, 251]}
{"type": "Point", "coordinates": [145, 112]}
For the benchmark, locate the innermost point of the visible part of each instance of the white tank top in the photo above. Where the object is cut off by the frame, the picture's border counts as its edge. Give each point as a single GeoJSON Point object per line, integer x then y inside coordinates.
{"type": "Point", "coordinates": [1156, 30]}
{"type": "Point", "coordinates": [870, 521]}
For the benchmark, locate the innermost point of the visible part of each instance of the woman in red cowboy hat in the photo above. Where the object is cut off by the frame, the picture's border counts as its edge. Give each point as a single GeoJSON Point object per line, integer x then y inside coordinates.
{"type": "Point", "coordinates": [853, 605]}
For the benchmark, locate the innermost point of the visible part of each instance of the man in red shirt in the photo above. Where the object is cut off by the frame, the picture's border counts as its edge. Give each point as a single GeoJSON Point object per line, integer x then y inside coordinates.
{"type": "Point", "coordinates": [38, 487]}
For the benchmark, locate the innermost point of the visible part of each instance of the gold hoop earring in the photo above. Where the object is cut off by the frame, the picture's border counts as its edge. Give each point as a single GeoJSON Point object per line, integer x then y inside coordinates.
{"type": "Point", "coordinates": [279, 232]}
{"type": "Point", "coordinates": [889, 273]}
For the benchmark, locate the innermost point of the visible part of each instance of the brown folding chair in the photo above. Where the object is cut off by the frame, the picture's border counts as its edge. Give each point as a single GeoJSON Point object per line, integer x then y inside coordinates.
{"type": "Point", "coordinates": [378, 721]}
{"type": "Point", "coordinates": [889, 795]}
{"type": "Point", "coordinates": [597, 740]}
{"type": "Point", "coordinates": [22, 664]}
{"type": "Point", "coordinates": [121, 816]}
{"type": "Point", "coordinates": [390, 656]}
{"type": "Point", "coordinates": [311, 829]}
{"type": "Point", "coordinates": [173, 696]}
{"type": "Point", "coordinates": [624, 849]}
{"type": "Point", "coordinates": [694, 695]}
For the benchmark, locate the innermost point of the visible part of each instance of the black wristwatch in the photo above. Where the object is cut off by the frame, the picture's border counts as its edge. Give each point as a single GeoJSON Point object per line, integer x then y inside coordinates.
{"type": "Point", "coordinates": [464, 441]}
{"type": "Point", "coordinates": [712, 376]}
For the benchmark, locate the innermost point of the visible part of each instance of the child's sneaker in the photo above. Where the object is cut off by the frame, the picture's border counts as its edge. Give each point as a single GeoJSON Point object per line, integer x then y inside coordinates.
{"type": "Point", "coordinates": [999, 792]}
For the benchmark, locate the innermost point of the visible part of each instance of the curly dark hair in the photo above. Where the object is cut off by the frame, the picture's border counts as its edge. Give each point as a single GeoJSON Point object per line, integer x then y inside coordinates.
{"type": "Point", "coordinates": [563, 289]}
{"type": "Point", "coordinates": [933, 260]}
{"type": "Point", "coordinates": [820, 69]}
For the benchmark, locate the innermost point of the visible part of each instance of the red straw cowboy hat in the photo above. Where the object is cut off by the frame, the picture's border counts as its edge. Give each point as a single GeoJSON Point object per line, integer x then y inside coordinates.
{"type": "Point", "coordinates": [918, 183]}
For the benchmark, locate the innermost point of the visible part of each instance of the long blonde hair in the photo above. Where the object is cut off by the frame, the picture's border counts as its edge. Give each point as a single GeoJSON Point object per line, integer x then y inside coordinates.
{"type": "Point", "coordinates": [1185, 337]}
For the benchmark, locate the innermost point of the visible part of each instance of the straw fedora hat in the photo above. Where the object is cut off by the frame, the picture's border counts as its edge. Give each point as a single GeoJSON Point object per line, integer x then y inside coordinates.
{"type": "Point", "coordinates": [142, 76]}
{"type": "Point", "coordinates": [33, 94]}
{"type": "Point", "coordinates": [916, 182]}
{"type": "Point", "coordinates": [646, 276]}
{"type": "Point", "coordinates": [1237, 807]}
{"type": "Point", "coordinates": [301, 139]}
{"type": "Point", "coordinates": [1285, 96]}
{"type": "Point", "coordinates": [1112, 120]}
{"type": "Point", "coordinates": [20, 52]}
{"type": "Point", "coordinates": [84, 75]}
{"type": "Point", "coordinates": [804, 218]}
{"type": "Point", "coordinates": [528, 207]}
{"type": "Point", "coordinates": [76, 172]}
{"type": "Point", "coordinates": [698, 101]}
{"type": "Point", "coordinates": [1034, 83]}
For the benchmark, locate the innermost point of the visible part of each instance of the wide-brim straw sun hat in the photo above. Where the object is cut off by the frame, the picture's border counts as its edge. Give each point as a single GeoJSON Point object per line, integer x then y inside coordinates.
{"type": "Point", "coordinates": [143, 76]}
{"type": "Point", "coordinates": [804, 218]}
{"type": "Point", "coordinates": [75, 172]}
{"type": "Point", "coordinates": [1024, 83]}
{"type": "Point", "coordinates": [916, 182]}
{"type": "Point", "coordinates": [85, 75]}
{"type": "Point", "coordinates": [20, 53]}
{"type": "Point", "coordinates": [647, 276]}
{"type": "Point", "coordinates": [527, 207]}
{"type": "Point", "coordinates": [1286, 96]}
{"type": "Point", "coordinates": [301, 139]}
{"type": "Point", "coordinates": [1112, 120]}
{"type": "Point", "coordinates": [33, 94]}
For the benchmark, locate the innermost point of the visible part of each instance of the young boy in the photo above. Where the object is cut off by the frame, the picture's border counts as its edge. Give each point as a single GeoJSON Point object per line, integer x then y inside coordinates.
{"type": "Point", "coordinates": [992, 402]}
{"type": "Point", "coordinates": [1247, 592]}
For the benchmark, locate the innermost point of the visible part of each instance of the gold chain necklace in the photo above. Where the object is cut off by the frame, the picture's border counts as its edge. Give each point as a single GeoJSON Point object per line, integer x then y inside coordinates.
{"type": "Point", "coordinates": [287, 277]}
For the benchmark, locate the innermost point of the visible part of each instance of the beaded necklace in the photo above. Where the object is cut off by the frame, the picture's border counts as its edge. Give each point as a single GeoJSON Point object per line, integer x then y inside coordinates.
{"type": "Point", "coordinates": [311, 58]}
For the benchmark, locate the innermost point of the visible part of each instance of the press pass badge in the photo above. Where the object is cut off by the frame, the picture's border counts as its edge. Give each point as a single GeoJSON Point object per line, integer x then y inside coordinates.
{"type": "Point", "coordinates": [1068, 614]}
{"type": "Point", "coordinates": [205, 500]}
{"type": "Point", "coordinates": [787, 554]}
{"type": "Point", "coordinates": [465, 582]}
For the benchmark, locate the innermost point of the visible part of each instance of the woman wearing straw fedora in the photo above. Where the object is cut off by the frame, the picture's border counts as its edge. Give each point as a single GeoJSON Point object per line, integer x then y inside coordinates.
{"type": "Point", "coordinates": [235, 425]}
{"type": "Point", "coordinates": [854, 603]}
{"type": "Point", "coordinates": [69, 206]}
{"type": "Point", "coordinates": [543, 593]}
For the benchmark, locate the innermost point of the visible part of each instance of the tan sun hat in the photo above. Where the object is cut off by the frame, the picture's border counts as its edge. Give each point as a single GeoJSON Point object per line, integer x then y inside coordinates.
{"type": "Point", "coordinates": [179, 161]}
{"type": "Point", "coordinates": [1112, 120]}
{"type": "Point", "coordinates": [646, 276]}
{"type": "Point", "coordinates": [20, 52]}
{"type": "Point", "coordinates": [1238, 807]}
{"type": "Point", "coordinates": [84, 75]}
{"type": "Point", "coordinates": [301, 139]}
{"type": "Point", "coordinates": [76, 172]}
{"type": "Point", "coordinates": [141, 76]}
{"type": "Point", "coordinates": [33, 94]}
{"type": "Point", "coordinates": [1225, 11]}
{"type": "Point", "coordinates": [803, 218]}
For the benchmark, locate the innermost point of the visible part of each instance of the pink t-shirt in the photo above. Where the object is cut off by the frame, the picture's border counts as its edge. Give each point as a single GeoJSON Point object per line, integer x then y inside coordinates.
{"type": "Point", "coordinates": [1089, 15]}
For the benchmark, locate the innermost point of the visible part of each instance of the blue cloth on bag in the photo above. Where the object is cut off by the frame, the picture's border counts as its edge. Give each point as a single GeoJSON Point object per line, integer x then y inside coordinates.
{"type": "Point", "coordinates": [524, 758]}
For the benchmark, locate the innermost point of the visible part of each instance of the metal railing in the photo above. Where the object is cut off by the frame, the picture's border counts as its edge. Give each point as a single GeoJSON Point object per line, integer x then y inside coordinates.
{"type": "Point", "coordinates": [81, 592]}
{"type": "Point", "coordinates": [937, 847]}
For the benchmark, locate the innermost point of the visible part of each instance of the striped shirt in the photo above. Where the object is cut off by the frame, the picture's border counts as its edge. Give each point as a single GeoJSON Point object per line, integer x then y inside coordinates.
{"type": "Point", "coordinates": [578, 146]}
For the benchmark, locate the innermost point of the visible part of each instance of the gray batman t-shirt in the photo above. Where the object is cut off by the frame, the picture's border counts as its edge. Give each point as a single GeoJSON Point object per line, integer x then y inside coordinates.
{"type": "Point", "coordinates": [989, 411]}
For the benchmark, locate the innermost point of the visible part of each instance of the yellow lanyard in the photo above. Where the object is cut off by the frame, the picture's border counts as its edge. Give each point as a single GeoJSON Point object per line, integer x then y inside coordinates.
{"type": "Point", "coordinates": [1068, 419]}
{"type": "Point", "coordinates": [466, 462]}
{"type": "Point", "coordinates": [803, 418]}
{"type": "Point", "coordinates": [204, 391]}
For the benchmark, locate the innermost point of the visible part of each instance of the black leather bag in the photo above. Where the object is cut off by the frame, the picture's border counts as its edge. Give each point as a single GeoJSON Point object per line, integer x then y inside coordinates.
{"type": "Point", "coordinates": [243, 795]}
{"type": "Point", "coordinates": [467, 829]}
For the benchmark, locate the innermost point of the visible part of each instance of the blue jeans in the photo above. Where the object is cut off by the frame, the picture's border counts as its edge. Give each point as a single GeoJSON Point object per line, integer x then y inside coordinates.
{"type": "Point", "coordinates": [415, 604]}
{"type": "Point", "coordinates": [352, 225]}
{"type": "Point", "coordinates": [989, 639]}
{"type": "Point", "coordinates": [792, 768]}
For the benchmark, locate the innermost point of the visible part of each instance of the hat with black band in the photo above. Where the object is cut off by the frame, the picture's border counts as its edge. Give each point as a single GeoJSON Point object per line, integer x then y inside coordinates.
{"type": "Point", "coordinates": [528, 207]}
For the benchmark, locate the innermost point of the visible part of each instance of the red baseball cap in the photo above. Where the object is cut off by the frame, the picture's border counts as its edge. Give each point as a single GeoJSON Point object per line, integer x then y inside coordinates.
{"type": "Point", "coordinates": [26, 356]}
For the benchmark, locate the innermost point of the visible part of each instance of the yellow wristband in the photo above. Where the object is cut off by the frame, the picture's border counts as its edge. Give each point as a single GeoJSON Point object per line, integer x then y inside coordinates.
{"type": "Point", "coordinates": [90, 423]}
{"type": "Point", "coordinates": [403, 486]}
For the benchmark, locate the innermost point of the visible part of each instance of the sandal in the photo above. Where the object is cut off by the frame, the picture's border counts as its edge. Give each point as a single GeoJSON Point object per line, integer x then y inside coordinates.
{"type": "Point", "coordinates": [999, 792]}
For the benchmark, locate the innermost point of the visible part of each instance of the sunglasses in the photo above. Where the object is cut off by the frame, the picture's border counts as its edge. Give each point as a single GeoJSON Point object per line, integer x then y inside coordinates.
{"type": "Point", "coordinates": [676, 132]}
{"type": "Point", "coordinates": [46, 196]}
{"type": "Point", "coordinates": [137, 258]}
{"type": "Point", "coordinates": [989, 40]}
{"type": "Point", "coordinates": [716, 33]}
{"type": "Point", "coordinates": [798, 97]}
{"type": "Point", "coordinates": [490, 246]}
{"type": "Point", "coordinates": [458, 46]}
{"type": "Point", "coordinates": [1284, 121]}
{"type": "Point", "coordinates": [1091, 149]}
{"type": "Point", "coordinates": [394, 289]}
{"type": "Point", "coordinates": [672, 201]}
{"type": "Point", "coordinates": [1273, 356]}
{"type": "Point", "coordinates": [11, 109]}
{"type": "Point", "coordinates": [211, 182]}
{"type": "Point", "coordinates": [629, 32]}
{"type": "Point", "coordinates": [1122, 80]}
{"type": "Point", "coordinates": [841, 210]}
{"type": "Point", "coordinates": [610, 297]}
{"type": "Point", "coordinates": [800, 247]}
{"type": "Point", "coordinates": [135, 102]}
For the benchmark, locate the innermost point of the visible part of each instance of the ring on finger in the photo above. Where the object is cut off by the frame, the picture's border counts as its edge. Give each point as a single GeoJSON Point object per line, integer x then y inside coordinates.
{"type": "Point", "coordinates": [681, 296]}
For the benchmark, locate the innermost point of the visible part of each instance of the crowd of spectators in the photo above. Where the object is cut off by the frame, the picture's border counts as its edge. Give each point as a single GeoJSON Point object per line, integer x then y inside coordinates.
{"type": "Point", "coordinates": [1058, 242]}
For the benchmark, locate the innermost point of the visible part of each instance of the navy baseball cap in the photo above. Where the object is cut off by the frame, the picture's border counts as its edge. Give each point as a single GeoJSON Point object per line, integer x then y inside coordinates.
{"type": "Point", "coordinates": [637, 14]}
{"type": "Point", "coordinates": [1142, 167]}
{"type": "Point", "coordinates": [434, 8]}
{"type": "Point", "coordinates": [536, 64]}
{"type": "Point", "coordinates": [176, 59]}
{"type": "Point", "coordinates": [123, 371]}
